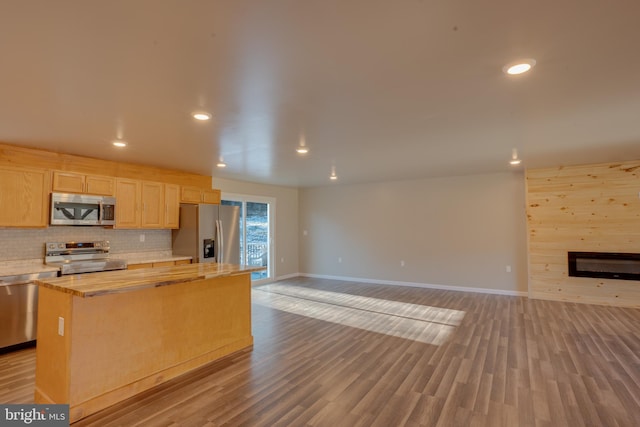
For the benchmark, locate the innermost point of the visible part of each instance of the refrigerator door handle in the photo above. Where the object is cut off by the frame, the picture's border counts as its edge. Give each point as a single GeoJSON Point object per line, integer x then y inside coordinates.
{"type": "Point", "coordinates": [221, 240]}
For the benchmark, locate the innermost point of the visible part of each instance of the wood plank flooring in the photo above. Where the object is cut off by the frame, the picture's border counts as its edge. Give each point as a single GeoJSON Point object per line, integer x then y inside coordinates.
{"type": "Point", "coordinates": [333, 353]}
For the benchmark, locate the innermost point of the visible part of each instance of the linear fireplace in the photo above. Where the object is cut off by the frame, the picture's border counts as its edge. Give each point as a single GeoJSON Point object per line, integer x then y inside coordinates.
{"type": "Point", "coordinates": [608, 265]}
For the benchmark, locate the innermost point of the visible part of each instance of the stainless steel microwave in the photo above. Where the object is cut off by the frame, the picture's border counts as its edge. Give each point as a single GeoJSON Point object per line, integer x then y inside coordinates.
{"type": "Point", "coordinates": [82, 209]}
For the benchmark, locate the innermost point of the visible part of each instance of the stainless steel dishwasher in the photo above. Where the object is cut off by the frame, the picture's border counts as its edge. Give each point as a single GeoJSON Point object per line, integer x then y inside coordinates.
{"type": "Point", "coordinates": [19, 308]}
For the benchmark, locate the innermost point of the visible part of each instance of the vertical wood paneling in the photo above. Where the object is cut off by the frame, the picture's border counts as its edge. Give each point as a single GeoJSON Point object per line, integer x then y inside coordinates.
{"type": "Point", "coordinates": [591, 208]}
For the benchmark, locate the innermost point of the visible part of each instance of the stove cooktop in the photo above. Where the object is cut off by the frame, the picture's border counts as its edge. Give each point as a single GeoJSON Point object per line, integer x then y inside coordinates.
{"type": "Point", "coordinates": [81, 257]}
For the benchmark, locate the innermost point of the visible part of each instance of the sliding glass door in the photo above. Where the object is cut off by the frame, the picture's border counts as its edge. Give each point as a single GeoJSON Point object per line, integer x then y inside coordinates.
{"type": "Point", "coordinates": [256, 232]}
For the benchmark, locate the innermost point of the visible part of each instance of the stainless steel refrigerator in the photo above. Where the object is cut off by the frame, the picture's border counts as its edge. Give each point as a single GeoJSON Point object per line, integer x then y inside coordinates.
{"type": "Point", "coordinates": [208, 233]}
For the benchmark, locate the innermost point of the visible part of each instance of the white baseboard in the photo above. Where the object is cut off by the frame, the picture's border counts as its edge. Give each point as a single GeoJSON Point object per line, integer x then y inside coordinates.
{"type": "Point", "coordinates": [412, 284]}
{"type": "Point", "coordinates": [288, 276]}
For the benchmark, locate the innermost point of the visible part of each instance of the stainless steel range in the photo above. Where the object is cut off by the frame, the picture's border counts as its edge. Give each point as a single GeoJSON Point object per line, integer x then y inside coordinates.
{"type": "Point", "coordinates": [81, 257]}
{"type": "Point", "coordinates": [19, 293]}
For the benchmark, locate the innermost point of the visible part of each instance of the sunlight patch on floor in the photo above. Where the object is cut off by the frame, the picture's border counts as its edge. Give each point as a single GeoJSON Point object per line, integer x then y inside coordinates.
{"type": "Point", "coordinates": [430, 325]}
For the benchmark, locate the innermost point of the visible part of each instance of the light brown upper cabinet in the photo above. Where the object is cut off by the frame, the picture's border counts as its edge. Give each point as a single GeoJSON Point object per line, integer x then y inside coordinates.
{"type": "Point", "coordinates": [199, 195]}
{"type": "Point", "coordinates": [152, 205]}
{"type": "Point", "coordinates": [69, 182]}
{"type": "Point", "coordinates": [146, 204]}
{"type": "Point", "coordinates": [24, 197]}
{"type": "Point", "coordinates": [171, 205]}
{"type": "Point", "coordinates": [160, 205]}
{"type": "Point", "coordinates": [128, 198]}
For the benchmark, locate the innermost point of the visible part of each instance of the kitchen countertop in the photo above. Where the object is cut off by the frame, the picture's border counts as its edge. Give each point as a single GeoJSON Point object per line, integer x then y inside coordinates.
{"type": "Point", "coordinates": [25, 266]}
{"type": "Point", "coordinates": [112, 282]}
{"type": "Point", "coordinates": [35, 266]}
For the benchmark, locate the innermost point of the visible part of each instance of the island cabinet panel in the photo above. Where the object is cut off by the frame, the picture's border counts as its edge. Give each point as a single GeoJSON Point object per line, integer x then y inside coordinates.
{"type": "Point", "coordinates": [69, 182]}
{"type": "Point", "coordinates": [24, 197]}
{"type": "Point", "coordinates": [102, 359]}
{"type": "Point", "coordinates": [53, 369]}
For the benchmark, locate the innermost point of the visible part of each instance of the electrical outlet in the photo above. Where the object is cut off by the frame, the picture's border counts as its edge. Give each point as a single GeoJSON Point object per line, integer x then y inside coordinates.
{"type": "Point", "coordinates": [340, 259]}
{"type": "Point", "coordinates": [402, 263]}
{"type": "Point", "coordinates": [61, 326]}
{"type": "Point", "coordinates": [508, 269]}
{"type": "Point", "coordinates": [282, 259]}
{"type": "Point", "coordinates": [305, 232]}
{"type": "Point", "coordinates": [142, 237]}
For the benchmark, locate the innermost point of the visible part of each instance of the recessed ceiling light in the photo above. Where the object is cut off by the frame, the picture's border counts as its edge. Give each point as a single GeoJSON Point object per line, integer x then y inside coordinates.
{"type": "Point", "coordinates": [302, 150]}
{"type": "Point", "coordinates": [333, 175]}
{"type": "Point", "coordinates": [201, 115]}
{"type": "Point", "coordinates": [514, 158]}
{"type": "Point", "coordinates": [519, 67]}
{"type": "Point", "coordinates": [221, 165]}
{"type": "Point", "coordinates": [119, 144]}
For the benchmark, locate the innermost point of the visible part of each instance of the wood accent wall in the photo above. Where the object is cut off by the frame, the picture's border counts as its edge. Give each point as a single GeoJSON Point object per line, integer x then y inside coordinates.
{"type": "Point", "coordinates": [29, 157]}
{"type": "Point", "coordinates": [591, 208]}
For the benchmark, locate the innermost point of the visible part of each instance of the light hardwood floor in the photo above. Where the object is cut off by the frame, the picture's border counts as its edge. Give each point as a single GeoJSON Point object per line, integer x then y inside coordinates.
{"type": "Point", "coordinates": [332, 353]}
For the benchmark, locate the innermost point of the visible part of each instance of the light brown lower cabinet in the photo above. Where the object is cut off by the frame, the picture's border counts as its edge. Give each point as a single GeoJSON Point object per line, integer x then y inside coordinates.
{"type": "Point", "coordinates": [157, 264]}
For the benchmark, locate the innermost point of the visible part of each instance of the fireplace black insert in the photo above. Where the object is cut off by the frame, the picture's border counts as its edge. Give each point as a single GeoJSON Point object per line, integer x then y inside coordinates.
{"type": "Point", "coordinates": [607, 265]}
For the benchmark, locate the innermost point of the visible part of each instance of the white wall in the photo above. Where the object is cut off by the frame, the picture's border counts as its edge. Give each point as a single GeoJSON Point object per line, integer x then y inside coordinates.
{"type": "Point", "coordinates": [457, 231]}
{"type": "Point", "coordinates": [286, 227]}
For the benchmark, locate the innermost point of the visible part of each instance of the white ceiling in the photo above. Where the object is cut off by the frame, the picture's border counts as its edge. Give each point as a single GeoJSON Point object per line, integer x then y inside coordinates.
{"type": "Point", "coordinates": [380, 90]}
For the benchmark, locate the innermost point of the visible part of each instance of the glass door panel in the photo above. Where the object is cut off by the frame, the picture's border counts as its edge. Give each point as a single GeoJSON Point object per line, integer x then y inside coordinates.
{"type": "Point", "coordinates": [255, 233]}
{"type": "Point", "coordinates": [258, 238]}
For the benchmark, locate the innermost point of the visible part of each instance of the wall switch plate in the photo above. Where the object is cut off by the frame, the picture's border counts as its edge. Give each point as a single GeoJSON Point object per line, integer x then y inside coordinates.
{"type": "Point", "coordinates": [508, 269]}
{"type": "Point", "coordinates": [61, 326]}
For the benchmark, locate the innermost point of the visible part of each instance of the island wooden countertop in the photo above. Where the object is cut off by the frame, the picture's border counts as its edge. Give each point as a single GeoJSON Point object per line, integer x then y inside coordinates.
{"type": "Point", "coordinates": [112, 282]}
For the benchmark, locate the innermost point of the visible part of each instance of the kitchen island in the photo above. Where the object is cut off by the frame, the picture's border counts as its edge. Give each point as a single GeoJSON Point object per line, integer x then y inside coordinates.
{"type": "Point", "coordinates": [104, 337]}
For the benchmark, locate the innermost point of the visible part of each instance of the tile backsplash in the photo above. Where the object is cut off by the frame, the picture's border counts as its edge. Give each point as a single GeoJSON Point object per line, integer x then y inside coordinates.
{"type": "Point", "coordinates": [28, 243]}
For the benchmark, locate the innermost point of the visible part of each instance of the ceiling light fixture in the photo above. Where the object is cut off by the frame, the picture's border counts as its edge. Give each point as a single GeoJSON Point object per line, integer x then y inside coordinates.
{"type": "Point", "coordinates": [202, 116]}
{"type": "Point", "coordinates": [221, 165]}
{"type": "Point", "coordinates": [514, 158]}
{"type": "Point", "coordinates": [519, 67]}
{"type": "Point", "coordinates": [302, 150]}
{"type": "Point", "coordinates": [333, 175]}
{"type": "Point", "coordinates": [119, 143]}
